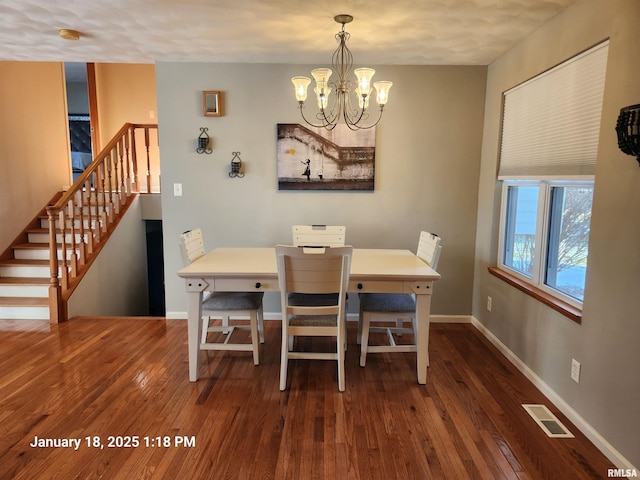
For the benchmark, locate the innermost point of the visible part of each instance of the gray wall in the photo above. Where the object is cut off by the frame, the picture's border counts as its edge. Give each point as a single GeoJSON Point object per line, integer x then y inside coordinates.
{"type": "Point", "coordinates": [116, 283]}
{"type": "Point", "coordinates": [606, 343]}
{"type": "Point", "coordinates": [427, 167]}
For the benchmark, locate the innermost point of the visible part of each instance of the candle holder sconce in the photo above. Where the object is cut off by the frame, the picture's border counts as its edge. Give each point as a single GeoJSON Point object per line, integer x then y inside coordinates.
{"type": "Point", "coordinates": [628, 130]}
{"type": "Point", "coordinates": [204, 142]}
{"type": "Point", "coordinates": [236, 165]}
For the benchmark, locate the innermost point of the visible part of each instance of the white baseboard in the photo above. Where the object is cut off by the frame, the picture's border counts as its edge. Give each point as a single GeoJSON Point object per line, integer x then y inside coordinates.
{"type": "Point", "coordinates": [598, 440]}
{"type": "Point", "coordinates": [451, 318]}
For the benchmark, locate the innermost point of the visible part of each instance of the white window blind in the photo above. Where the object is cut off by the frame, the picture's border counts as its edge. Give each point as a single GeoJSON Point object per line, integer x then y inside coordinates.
{"type": "Point", "coordinates": [551, 123]}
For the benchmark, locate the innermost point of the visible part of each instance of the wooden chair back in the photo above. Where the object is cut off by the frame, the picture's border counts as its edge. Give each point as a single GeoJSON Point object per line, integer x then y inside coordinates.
{"type": "Point", "coordinates": [313, 271]}
{"type": "Point", "coordinates": [429, 249]}
{"type": "Point", "coordinates": [319, 235]}
{"type": "Point", "coordinates": [310, 271]}
{"type": "Point", "coordinates": [191, 246]}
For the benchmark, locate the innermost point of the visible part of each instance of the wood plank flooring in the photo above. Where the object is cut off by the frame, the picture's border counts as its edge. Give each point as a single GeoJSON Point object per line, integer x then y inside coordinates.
{"type": "Point", "coordinates": [127, 378]}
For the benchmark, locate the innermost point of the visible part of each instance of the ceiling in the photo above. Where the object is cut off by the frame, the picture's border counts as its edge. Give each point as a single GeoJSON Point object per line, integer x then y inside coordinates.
{"type": "Point", "coordinates": [384, 32]}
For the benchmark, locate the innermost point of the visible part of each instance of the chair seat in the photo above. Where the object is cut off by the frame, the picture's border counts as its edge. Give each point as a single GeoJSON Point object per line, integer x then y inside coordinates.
{"type": "Point", "coordinates": [231, 301]}
{"type": "Point", "coordinates": [313, 320]}
{"type": "Point", "coordinates": [312, 299]}
{"type": "Point", "coordinates": [387, 302]}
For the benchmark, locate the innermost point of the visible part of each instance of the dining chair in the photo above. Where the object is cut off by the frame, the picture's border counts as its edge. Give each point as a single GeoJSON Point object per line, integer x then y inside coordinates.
{"type": "Point", "coordinates": [225, 306]}
{"type": "Point", "coordinates": [310, 270]}
{"type": "Point", "coordinates": [396, 308]}
{"type": "Point", "coordinates": [316, 236]}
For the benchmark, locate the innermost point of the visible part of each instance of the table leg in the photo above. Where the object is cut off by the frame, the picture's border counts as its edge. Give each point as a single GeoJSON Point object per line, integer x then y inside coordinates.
{"type": "Point", "coordinates": [423, 312]}
{"type": "Point", "coordinates": [194, 331]}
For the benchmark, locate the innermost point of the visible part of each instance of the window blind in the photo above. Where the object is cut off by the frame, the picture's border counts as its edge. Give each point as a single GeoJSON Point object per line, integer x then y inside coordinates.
{"type": "Point", "coordinates": [551, 123]}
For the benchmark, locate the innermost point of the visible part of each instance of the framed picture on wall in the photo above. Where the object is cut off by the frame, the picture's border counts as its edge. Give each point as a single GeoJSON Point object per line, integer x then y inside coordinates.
{"type": "Point", "coordinates": [212, 103]}
{"type": "Point", "coordinates": [311, 158]}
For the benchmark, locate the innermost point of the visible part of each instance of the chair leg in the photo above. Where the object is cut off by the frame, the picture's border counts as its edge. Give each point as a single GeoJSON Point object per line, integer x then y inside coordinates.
{"type": "Point", "coordinates": [364, 343]}
{"type": "Point", "coordinates": [284, 357]}
{"type": "Point", "coordinates": [340, 350]}
{"type": "Point", "coordinates": [359, 340]}
{"type": "Point", "coordinates": [205, 329]}
{"type": "Point", "coordinates": [255, 341]}
{"type": "Point", "coordinates": [344, 335]}
{"type": "Point", "coordinates": [261, 323]}
{"type": "Point", "coordinates": [399, 325]}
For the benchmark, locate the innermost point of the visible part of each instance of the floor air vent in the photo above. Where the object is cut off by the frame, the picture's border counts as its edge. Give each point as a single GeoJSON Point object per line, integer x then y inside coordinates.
{"type": "Point", "coordinates": [548, 421]}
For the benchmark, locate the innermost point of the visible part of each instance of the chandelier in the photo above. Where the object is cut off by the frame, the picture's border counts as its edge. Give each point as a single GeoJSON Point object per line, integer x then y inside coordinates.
{"type": "Point", "coordinates": [355, 117]}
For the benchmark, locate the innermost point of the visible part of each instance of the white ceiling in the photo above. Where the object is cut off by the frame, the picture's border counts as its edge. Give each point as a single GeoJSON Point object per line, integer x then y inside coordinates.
{"type": "Point", "coordinates": [393, 32]}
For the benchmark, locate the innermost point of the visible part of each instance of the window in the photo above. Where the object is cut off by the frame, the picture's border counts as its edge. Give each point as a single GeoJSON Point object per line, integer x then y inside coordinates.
{"type": "Point", "coordinates": [545, 234]}
{"type": "Point", "coordinates": [548, 153]}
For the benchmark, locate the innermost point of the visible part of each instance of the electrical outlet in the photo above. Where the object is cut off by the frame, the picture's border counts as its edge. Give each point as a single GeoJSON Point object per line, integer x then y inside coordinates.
{"type": "Point", "coordinates": [489, 303]}
{"type": "Point", "coordinates": [177, 189]}
{"type": "Point", "coordinates": [575, 370]}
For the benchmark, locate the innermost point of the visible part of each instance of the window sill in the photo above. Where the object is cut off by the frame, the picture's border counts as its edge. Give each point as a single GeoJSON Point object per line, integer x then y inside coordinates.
{"type": "Point", "coordinates": [558, 305]}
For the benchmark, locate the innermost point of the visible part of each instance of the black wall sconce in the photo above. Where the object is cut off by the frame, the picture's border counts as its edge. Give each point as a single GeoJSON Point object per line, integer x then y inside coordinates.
{"type": "Point", "coordinates": [236, 165]}
{"type": "Point", "coordinates": [628, 130]}
{"type": "Point", "coordinates": [203, 141]}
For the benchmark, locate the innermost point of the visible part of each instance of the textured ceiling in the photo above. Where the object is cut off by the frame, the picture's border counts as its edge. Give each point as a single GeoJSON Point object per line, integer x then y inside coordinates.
{"type": "Point", "coordinates": [406, 32]}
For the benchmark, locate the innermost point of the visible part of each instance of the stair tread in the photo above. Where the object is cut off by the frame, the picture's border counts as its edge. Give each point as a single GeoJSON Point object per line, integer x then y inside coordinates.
{"type": "Point", "coordinates": [38, 246]}
{"type": "Point", "coordinates": [19, 261]}
{"type": "Point", "coordinates": [24, 302]}
{"type": "Point", "coordinates": [46, 230]}
{"type": "Point", "coordinates": [24, 280]}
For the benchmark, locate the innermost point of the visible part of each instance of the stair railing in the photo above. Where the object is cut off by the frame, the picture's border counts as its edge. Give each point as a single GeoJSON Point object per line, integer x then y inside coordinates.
{"type": "Point", "coordinates": [84, 217]}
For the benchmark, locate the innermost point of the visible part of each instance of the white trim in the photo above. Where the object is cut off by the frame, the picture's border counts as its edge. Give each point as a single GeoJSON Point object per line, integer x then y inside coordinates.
{"type": "Point", "coordinates": [451, 318]}
{"type": "Point", "coordinates": [549, 178]}
{"type": "Point", "coordinates": [537, 278]}
{"type": "Point", "coordinates": [592, 434]}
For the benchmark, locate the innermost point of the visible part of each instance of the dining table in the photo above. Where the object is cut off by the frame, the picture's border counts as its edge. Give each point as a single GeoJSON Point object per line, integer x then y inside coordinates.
{"type": "Point", "coordinates": [254, 269]}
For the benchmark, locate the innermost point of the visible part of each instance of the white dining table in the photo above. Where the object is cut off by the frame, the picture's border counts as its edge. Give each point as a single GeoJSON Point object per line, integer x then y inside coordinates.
{"type": "Point", "coordinates": [254, 269]}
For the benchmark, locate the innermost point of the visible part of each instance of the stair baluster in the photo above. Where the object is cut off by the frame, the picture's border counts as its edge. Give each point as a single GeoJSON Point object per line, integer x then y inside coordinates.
{"type": "Point", "coordinates": [94, 190]}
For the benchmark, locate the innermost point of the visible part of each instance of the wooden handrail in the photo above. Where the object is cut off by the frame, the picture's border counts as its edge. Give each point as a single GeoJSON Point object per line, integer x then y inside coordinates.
{"type": "Point", "coordinates": [85, 215]}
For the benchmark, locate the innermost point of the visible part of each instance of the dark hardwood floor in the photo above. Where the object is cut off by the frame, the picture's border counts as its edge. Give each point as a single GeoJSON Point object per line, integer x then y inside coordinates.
{"type": "Point", "coordinates": [127, 378]}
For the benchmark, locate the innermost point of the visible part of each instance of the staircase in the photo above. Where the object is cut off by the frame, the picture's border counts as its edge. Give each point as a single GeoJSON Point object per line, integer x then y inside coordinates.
{"type": "Point", "coordinates": [34, 283]}
{"type": "Point", "coordinates": [25, 278]}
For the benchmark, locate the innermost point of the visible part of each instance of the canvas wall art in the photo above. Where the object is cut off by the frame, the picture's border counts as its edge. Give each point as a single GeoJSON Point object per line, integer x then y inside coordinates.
{"type": "Point", "coordinates": [312, 158]}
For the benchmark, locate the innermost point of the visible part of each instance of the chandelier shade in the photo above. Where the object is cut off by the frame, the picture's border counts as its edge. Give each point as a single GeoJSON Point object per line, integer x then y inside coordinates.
{"type": "Point", "coordinates": [342, 106]}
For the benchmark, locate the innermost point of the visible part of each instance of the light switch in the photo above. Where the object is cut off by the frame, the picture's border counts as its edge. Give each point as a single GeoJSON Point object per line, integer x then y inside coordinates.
{"type": "Point", "coordinates": [177, 189]}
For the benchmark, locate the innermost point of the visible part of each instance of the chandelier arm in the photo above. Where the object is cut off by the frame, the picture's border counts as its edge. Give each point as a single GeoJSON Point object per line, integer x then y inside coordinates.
{"type": "Point", "coordinates": [333, 117]}
{"type": "Point", "coordinates": [300, 106]}
{"type": "Point", "coordinates": [350, 113]}
{"type": "Point", "coordinates": [326, 125]}
{"type": "Point", "coordinates": [349, 117]}
{"type": "Point", "coordinates": [356, 126]}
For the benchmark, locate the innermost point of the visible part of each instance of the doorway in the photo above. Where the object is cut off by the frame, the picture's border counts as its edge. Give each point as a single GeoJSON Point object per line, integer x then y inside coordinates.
{"type": "Point", "coordinates": [82, 111]}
